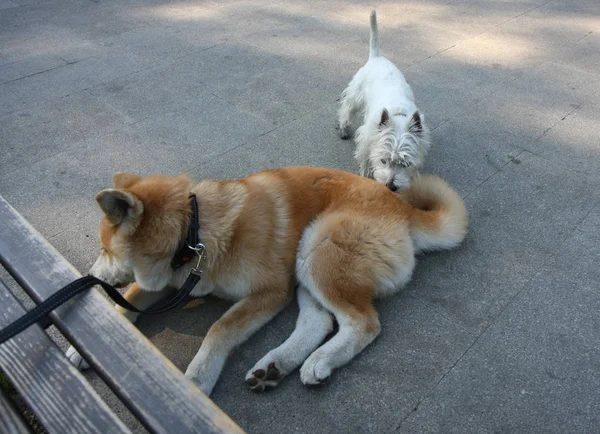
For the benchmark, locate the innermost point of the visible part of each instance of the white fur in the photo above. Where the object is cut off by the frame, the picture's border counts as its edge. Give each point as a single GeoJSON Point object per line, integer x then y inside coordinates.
{"type": "Point", "coordinates": [389, 151]}
{"type": "Point", "coordinates": [312, 326]}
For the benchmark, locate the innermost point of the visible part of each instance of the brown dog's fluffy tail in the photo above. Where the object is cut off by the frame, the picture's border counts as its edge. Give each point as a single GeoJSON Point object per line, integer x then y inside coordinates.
{"type": "Point", "coordinates": [439, 217]}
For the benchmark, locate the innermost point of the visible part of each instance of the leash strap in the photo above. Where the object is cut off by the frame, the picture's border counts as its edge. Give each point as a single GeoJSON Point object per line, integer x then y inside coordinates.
{"type": "Point", "coordinates": [41, 311]}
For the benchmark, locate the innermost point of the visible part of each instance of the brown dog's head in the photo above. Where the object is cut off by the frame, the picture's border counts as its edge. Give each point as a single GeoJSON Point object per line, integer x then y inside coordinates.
{"type": "Point", "coordinates": [145, 219]}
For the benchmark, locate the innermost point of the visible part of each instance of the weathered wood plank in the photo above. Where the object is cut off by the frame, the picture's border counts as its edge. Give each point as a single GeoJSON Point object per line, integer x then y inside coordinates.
{"type": "Point", "coordinates": [147, 383]}
{"type": "Point", "coordinates": [54, 390]}
{"type": "Point", "coordinates": [11, 421]}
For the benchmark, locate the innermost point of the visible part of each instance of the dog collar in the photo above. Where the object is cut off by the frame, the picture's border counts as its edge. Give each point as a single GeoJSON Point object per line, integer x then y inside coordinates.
{"type": "Point", "coordinates": [191, 246]}
{"type": "Point", "coordinates": [399, 114]}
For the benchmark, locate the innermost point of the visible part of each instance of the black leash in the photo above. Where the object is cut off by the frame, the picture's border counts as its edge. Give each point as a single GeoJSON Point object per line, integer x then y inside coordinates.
{"type": "Point", "coordinates": [40, 313]}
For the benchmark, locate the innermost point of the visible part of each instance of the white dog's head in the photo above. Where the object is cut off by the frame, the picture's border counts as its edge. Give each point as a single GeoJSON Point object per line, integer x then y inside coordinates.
{"type": "Point", "coordinates": [399, 146]}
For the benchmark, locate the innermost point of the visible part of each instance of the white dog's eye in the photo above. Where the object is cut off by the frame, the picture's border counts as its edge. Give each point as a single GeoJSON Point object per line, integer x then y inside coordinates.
{"type": "Point", "coordinates": [383, 161]}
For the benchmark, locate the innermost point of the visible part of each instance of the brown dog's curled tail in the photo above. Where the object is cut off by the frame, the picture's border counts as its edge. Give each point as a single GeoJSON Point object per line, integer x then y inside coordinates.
{"type": "Point", "coordinates": [439, 218]}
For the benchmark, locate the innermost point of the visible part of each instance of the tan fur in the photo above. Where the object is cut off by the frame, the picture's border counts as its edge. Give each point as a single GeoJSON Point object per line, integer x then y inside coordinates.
{"type": "Point", "coordinates": [347, 239]}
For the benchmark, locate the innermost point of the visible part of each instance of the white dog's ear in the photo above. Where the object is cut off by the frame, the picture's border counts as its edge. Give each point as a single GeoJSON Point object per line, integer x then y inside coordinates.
{"type": "Point", "coordinates": [415, 124]}
{"type": "Point", "coordinates": [385, 118]}
{"type": "Point", "coordinates": [119, 206]}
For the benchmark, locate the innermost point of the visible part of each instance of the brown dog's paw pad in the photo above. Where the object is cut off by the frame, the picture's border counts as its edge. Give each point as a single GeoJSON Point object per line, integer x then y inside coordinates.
{"type": "Point", "coordinates": [255, 384]}
{"type": "Point", "coordinates": [273, 373]}
{"type": "Point", "coordinates": [265, 378]}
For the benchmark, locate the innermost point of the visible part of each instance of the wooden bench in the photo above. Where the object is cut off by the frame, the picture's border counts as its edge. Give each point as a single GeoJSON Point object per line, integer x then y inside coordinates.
{"type": "Point", "coordinates": [153, 389]}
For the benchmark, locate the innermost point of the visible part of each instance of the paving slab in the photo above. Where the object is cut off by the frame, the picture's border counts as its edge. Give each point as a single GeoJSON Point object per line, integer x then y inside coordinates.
{"type": "Point", "coordinates": [190, 79]}
{"type": "Point", "coordinates": [32, 134]}
{"type": "Point", "coordinates": [309, 140]}
{"type": "Point", "coordinates": [518, 219]}
{"type": "Point", "coordinates": [70, 179]}
{"type": "Point", "coordinates": [284, 93]}
{"type": "Point", "coordinates": [74, 77]}
{"type": "Point", "coordinates": [536, 369]}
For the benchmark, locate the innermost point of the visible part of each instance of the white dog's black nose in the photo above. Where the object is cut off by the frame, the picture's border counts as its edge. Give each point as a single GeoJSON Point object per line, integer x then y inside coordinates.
{"type": "Point", "coordinates": [392, 186]}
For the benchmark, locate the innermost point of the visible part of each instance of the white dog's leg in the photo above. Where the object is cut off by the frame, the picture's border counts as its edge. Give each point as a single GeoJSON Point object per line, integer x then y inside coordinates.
{"type": "Point", "coordinates": [312, 326]}
{"type": "Point", "coordinates": [232, 329]}
{"type": "Point", "coordinates": [357, 330]}
{"type": "Point", "coordinates": [349, 106]}
{"type": "Point", "coordinates": [361, 154]}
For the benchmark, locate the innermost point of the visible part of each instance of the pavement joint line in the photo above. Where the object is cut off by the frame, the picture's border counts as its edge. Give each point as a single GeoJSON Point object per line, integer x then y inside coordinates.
{"type": "Point", "coordinates": [584, 36]}
{"type": "Point", "coordinates": [36, 73]}
{"type": "Point", "coordinates": [49, 101]}
{"type": "Point", "coordinates": [589, 176]}
{"type": "Point", "coordinates": [307, 113]}
{"type": "Point", "coordinates": [511, 159]}
{"type": "Point", "coordinates": [468, 38]}
{"type": "Point", "coordinates": [484, 98]}
{"type": "Point", "coordinates": [559, 121]}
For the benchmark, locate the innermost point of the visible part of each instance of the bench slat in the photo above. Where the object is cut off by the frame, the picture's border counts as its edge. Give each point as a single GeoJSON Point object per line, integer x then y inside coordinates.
{"type": "Point", "coordinates": [11, 421]}
{"type": "Point", "coordinates": [56, 392]}
{"type": "Point", "coordinates": [162, 398]}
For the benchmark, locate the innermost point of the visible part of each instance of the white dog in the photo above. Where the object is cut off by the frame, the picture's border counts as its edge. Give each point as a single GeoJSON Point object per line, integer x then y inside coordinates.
{"type": "Point", "coordinates": [393, 140]}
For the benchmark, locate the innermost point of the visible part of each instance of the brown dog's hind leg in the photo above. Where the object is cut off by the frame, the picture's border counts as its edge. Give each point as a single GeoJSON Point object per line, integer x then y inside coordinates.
{"type": "Point", "coordinates": [358, 327]}
{"type": "Point", "coordinates": [312, 326]}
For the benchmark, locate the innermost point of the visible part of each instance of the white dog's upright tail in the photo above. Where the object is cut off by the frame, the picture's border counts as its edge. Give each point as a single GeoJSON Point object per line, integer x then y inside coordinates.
{"type": "Point", "coordinates": [439, 217]}
{"type": "Point", "coordinates": [374, 48]}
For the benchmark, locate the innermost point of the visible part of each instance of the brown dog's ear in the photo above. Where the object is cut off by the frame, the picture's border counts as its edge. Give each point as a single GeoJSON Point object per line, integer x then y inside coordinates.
{"type": "Point", "coordinates": [119, 206]}
{"type": "Point", "coordinates": [385, 117]}
{"type": "Point", "coordinates": [125, 180]}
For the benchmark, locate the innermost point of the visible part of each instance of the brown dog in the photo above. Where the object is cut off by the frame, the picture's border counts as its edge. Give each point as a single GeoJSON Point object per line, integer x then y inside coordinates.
{"type": "Point", "coordinates": [343, 238]}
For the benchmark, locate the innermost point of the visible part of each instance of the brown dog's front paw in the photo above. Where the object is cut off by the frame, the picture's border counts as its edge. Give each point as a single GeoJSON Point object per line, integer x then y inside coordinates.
{"type": "Point", "coordinates": [261, 379]}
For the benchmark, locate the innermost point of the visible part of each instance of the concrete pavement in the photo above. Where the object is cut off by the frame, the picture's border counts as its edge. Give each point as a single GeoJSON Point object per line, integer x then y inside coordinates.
{"type": "Point", "coordinates": [501, 335]}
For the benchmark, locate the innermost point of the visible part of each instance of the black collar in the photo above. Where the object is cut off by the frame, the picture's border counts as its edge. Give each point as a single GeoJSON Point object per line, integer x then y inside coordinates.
{"type": "Point", "coordinates": [192, 246]}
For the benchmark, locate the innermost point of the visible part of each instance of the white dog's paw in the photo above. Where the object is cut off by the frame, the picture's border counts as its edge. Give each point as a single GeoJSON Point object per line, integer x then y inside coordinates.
{"type": "Point", "coordinates": [315, 371]}
{"type": "Point", "coordinates": [264, 375]}
{"type": "Point", "coordinates": [344, 133]}
{"type": "Point", "coordinates": [343, 130]}
{"type": "Point", "coordinates": [76, 359]}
